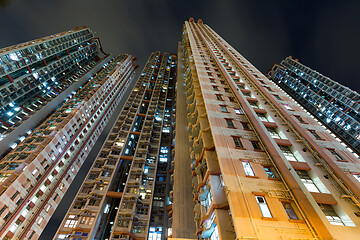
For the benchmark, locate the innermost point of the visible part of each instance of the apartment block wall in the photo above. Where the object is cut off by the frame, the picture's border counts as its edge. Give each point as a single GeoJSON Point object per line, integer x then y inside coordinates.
{"type": "Point", "coordinates": [36, 76]}
{"type": "Point", "coordinates": [124, 195]}
{"type": "Point", "coordinates": [34, 181]}
{"type": "Point", "coordinates": [250, 153]}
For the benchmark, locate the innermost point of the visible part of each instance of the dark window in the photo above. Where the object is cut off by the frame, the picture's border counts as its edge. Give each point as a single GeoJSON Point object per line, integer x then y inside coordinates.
{"type": "Point", "coordinates": [237, 142]}
{"type": "Point", "coordinates": [256, 145]}
{"type": "Point", "coordinates": [230, 123]}
{"type": "Point", "coordinates": [246, 126]}
{"type": "Point", "coordinates": [215, 88]}
{"type": "Point", "coordinates": [299, 119]}
{"type": "Point", "coordinates": [313, 132]}
{"type": "Point", "coordinates": [277, 97]}
{"type": "Point", "coordinates": [219, 97]}
{"type": "Point", "coordinates": [290, 211]}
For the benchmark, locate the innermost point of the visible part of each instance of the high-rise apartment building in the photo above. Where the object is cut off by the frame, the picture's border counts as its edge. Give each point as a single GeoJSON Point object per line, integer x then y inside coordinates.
{"type": "Point", "coordinates": [206, 147]}
{"type": "Point", "coordinates": [36, 174]}
{"type": "Point", "coordinates": [37, 76]}
{"type": "Point", "coordinates": [335, 105]}
{"type": "Point", "coordinates": [262, 166]}
{"type": "Point", "coordinates": [125, 193]}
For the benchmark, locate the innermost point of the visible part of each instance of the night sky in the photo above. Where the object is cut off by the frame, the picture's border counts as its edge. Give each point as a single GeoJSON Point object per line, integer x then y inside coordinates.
{"type": "Point", "coordinates": [323, 35]}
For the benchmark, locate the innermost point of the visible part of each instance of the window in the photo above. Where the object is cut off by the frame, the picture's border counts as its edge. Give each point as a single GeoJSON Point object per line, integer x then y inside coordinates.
{"type": "Point", "coordinates": [215, 88]}
{"type": "Point", "coordinates": [307, 181]}
{"type": "Point", "coordinates": [313, 132]}
{"type": "Point", "coordinates": [227, 90]}
{"type": "Point", "coordinates": [288, 107]}
{"type": "Point", "coordinates": [256, 145]}
{"type": "Point", "coordinates": [262, 117]}
{"type": "Point", "coordinates": [245, 126]}
{"type": "Point", "coordinates": [219, 97]}
{"type": "Point", "coordinates": [231, 99]}
{"type": "Point", "coordinates": [336, 155]}
{"type": "Point", "coordinates": [223, 108]}
{"type": "Point", "coordinates": [215, 234]}
{"type": "Point", "coordinates": [290, 211]}
{"type": "Point", "coordinates": [299, 119]}
{"type": "Point", "coordinates": [15, 195]}
{"type": "Point", "coordinates": [254, 104]}
{"type": "Point", "coordinates": [248, 169]}
{"type": "Point", "coordinates": [357, 176]}
{"type": "Point", "coordinates": [238, 111]}
{"type": "Point", "coordinates": [270, 172]}
{"type": "Point", "coordinates": [331, 215]}
{"type": "Point", "coordinates": [273, 133]}
{"type": "Point", "coordinates": [71, 222]}
{"type": "Point", "coordinates": [268, 88]}
{"type": "Point", "coordinates": [237, 142]}
{"type": "Point", "coordinates": [287, 153]}
{"type": "Point", "coordinates": [277, 97]}
{"type": "Point", "coordinates": [265, 211]}
{"type": "Point", "coordinates": [230, 123]}
{"type": "Point", "coordinates": [212, 80]}
{"type": "Point", "coordinates": [246, 94]}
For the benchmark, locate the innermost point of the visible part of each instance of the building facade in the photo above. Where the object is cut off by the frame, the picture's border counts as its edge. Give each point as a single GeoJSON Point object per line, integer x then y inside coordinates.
{"type": "Point", "coordinates": [35, 175]}
{"type": "Point", "coordinates": [37, 76]}
{"type": "Point", "coordinates": [335, 105]}
{"type": "Point", "coordinates": [125, 193]}
{"type": "Point", "coordinates": [262, 166]}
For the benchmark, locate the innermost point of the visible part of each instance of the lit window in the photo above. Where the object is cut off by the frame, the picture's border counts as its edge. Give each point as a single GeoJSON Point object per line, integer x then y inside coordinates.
{"type": "Point", "coordinates": [223, 108]}
{"type": "Point", "coordinates": [273, 133]}
{"type": "Point", "coordinates": [215, 234]}
{"type": "Point", "coordinates": [331, 215]}
{"type": "Point", "coordinates": [307, 181]}
{"type": "Point", "coordinates": [265, 211]}
{"type": "Point", "coordinates": [270, 172]}
{"type": "Point", "coordinates": [70, 222]}
{"type": "Point", "coordinates": [290, 211]}
{"type": "Point", "coordinates": [238, 111]}
{"type": "Point", "coordinates": [248, 169]}
{"type": "Point", "coordinates": [357, 176]}
{"type": "Point", "coordinates": [288, 153]}
{"type": "Point", "coordinates": [237, 142]}
{"type": "Point", "coordinates": [262, 117]}
{"type": "Point", "coordinates": [287, 107]}
{"type": "Point", "coordinates": [39, 220]}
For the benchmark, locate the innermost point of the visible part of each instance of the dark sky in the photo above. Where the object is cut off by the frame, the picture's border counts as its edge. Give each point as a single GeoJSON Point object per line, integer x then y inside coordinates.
{"type": "Point", "coordinates": [323, 35]}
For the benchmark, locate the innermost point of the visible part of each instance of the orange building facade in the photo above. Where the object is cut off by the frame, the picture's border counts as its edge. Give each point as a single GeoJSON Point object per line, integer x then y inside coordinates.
{"type": "Point", "coordinates": [262, 166]}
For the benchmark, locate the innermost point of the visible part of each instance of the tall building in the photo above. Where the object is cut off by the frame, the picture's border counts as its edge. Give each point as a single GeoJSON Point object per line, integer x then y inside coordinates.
{"type": "Point", "coordinates": [206, 147]}
{"type": "Point", "coordinates": [36, 174]}
{"type": "Point", "coordinates": [37, 76]}
{"type": "Point", "coordinates": [125, 193]}
{"type": "Point", "coordinates": [262, 166]}
{"type": "Point", "coordinates": [335, 105]}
